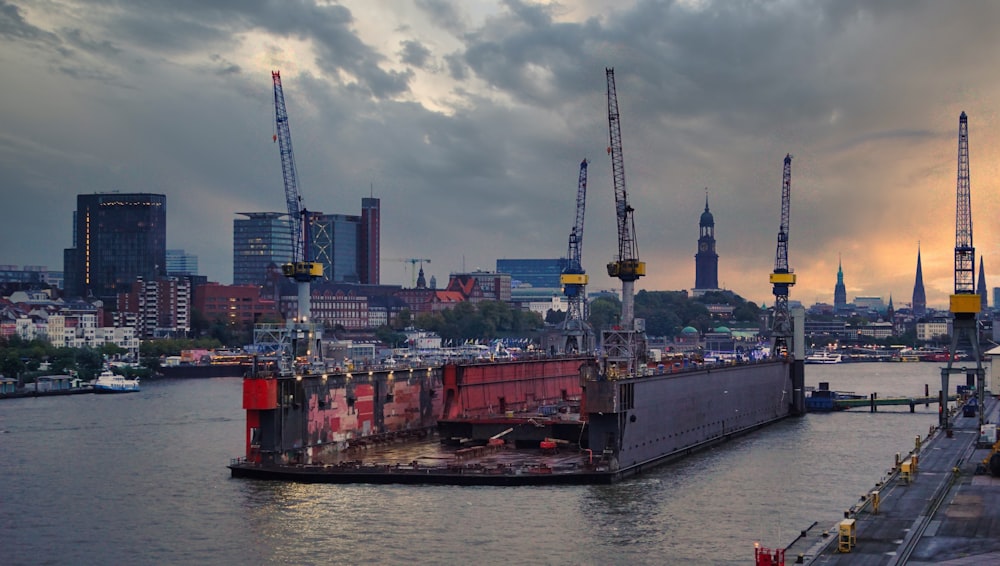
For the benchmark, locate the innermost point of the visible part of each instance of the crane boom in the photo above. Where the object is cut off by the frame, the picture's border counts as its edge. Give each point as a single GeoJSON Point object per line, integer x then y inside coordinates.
{"type": "Point", "coordinates": [299, 268]}
{"type": "Point", "coordinates": [575, 329]}
{"type": "Point", "coordinates": [965, 252]}
{"type": "Point", "coordinates": [573, 277]}
{"type": "Point", "coordinates": [782, 278]}
{"type": "Point", "coordinates": [625, 344]}
{"type": "Point", "coordinates": [626, 266]}
{"type": "Point", "coordinates": [964, 304]}
{"type": "Point", "coordinates": [283, 136]}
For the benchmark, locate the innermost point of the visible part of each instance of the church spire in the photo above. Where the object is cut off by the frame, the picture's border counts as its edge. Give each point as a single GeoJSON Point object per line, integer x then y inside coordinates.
{"type": "Point", "coordinates": [839, 291]}
{"type": "Point", "coordinates": [983, 294]}
{"type": "Point", "coordinates": [919, 297]}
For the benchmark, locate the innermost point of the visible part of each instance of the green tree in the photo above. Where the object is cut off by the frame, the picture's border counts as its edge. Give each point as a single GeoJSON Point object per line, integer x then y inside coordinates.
{"type": "Point", "coordinates": [387, 335]}
{"type": "Point", "coordinates": [605, 312]}
{"type": "Point", "coordinates": [554, 316]}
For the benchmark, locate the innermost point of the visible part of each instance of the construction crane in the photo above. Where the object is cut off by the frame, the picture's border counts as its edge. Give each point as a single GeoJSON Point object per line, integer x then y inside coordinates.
{"type": "Point", "coordinates": [783, 277]}
{"type": "Point", "coordinates": [624, 347]}
{"type": "Point", "coordinates": [576, 330]}
{"type": "Point", "coordinates": [300, 268]}
{"type": "Point", "coordinates": [964, 304]}
{"type": "Point", "coordinates": [413, 261]}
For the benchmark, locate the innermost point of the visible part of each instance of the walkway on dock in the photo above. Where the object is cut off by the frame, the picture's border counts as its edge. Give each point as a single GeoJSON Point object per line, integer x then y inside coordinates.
{"type": "Point", "coordinates": [943, 514]}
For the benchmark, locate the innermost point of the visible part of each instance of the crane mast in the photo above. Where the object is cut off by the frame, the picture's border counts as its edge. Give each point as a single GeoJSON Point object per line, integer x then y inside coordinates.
{"type": "Point", "coordinates": [578, 336]}
{"type": "Point", "coordinates": [782, 278]}
{"type": "Point", "coordinates": [964, 304]}
{"type": "Point", "coordinates": [299, 268]}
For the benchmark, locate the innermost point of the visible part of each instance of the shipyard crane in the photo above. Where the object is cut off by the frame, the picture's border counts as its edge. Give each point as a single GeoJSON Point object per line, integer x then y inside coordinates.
{"type": "Point", "coordinates": [624, 346]}
{"type": "Point", "coordinates": [576, 331]}
{"type": "Point", "coordinates": [964, 304]}
{"type": "Point", "coordinates": [783, 277]}
{"type": "Point", "coordinates": [300, 268]}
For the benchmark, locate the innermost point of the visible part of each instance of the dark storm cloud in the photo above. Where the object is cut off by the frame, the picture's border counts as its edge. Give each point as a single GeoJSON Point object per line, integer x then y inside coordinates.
{"type": "Point", "coordinates": [13, 25]}
{"type": "Point", "coordinates": [712, 94]}
{"type": "Point", "coordinates": [444, 14]}
{"type": "Point", "coordinates": [414, 53]}
{"type": "Point", "coordinates": [81, 40]}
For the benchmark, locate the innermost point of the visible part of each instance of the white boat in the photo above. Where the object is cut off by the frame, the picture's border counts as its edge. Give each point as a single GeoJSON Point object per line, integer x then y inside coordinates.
{"type": "Point", "coordinates": [110, 382]}
{"type": "Point", "coordinates": [823, 357]}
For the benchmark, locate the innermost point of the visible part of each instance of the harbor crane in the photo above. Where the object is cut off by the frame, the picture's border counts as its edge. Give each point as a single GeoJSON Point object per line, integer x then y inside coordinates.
{"type": "Point", "coordinates": [300, 268]}
{"type": "Point", "coordinates": [782, 278]}
{"type": "Point", "coordinates": [625, 345]}
{"type": "Point", "coordinates": [965, 303]}
{"type": "Point", "coordinates": [576, 331]}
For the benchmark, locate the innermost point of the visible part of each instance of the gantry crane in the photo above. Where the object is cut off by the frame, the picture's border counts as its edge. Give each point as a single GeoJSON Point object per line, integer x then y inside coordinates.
{"type": "Point", "coordinates": [576, 330]}
{"type": "Point", "coordinates": [625, 346]}
{"type": "Point", "coordinates": [783, 277]}
{"type": "Point", "coordinates": [964, 304]}
{"type": "Point", "coordinates": [300, 268]}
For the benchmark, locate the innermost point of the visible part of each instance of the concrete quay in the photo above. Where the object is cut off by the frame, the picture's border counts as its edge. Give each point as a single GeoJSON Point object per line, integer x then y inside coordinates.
{"type": "Point", "coordinates": [938, 511]}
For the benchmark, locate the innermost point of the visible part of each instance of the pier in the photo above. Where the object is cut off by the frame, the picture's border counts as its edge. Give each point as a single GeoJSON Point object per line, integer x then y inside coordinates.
{"type": "Point", "coordinates": [937, 506]}
{"type": "Point", "coordinates": [873, 402]}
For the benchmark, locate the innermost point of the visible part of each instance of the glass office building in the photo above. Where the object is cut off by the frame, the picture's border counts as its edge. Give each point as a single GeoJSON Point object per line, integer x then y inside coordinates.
{"type": "Point", "coordinates": [116, 238]}
{"type": "Point", "coordinates": [260, 240]}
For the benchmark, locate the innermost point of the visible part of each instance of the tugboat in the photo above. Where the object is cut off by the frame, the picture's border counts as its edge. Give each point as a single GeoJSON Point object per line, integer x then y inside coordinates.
{"type": "Point", "coordinates": [110, 382]}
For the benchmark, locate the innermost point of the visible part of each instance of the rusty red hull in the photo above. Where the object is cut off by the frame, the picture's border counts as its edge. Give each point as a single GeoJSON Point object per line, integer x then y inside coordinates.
{"type": "Point", "coordinates": [307, 418]}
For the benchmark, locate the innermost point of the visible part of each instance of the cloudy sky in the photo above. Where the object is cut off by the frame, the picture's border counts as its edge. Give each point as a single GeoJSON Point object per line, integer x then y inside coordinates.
{"type": "Point", "coordinates": [469, 120]}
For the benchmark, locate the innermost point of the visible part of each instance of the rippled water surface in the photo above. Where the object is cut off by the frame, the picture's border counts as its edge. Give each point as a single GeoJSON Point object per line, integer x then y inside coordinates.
{"type": "Point", "coordinates": [142, 479]}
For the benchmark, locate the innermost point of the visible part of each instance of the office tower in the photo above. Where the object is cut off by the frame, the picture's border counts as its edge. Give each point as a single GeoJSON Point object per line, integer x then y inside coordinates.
{"type": "Point", "coordinates": [116, 238]}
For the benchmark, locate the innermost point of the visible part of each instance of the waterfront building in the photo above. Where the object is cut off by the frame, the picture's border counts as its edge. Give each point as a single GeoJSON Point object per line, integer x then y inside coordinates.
{"type": "Point", "coordinates": [369, 252]}
{"type": "Point", "coordinates": [934, 329]}
{"type": "Point", "coordinates": [181, 263]}
{"type": "Point", "coordinates": [919, 303]}
{"type": "Point", "coordinates": [261, 241]}
{"type": "Point", "coordinates": [537, 273]}
{"type": "Point", "coordinates": [873, 304]}
{"type": "Point", "coordinates": [706, 261]}
{"type": "Point", "coordinates": [876, 330]}
{"type": "Point", "coordinates": [30, 276]}
{"type": "Point", "coordinates": [236, 305]}
{"type": "Point", "coordinates": [840, 291]}
{"type": "Point", "coordinates": [482, 285]}
{"type": "Point", "coordinates": [836, 327]}
{"type": "Point", "coordinates": [116, 238]}
{"type": "Point", "coordinates": [156, 308]}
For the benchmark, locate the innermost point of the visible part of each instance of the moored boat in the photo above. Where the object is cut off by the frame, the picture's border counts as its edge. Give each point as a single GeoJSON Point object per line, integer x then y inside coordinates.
{"type": "Point", "coordinates": [110, 382]}
{"type": "Point", "coordinates": [824, 357]}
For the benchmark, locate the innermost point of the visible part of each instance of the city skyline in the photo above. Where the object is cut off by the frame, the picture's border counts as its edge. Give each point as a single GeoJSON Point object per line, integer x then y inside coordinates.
{"type": "Point", "coordinates": [468, 120]}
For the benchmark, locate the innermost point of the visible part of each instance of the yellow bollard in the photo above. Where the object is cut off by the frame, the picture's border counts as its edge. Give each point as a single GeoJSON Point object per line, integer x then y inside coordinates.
{"type": "Point", "coordinates": [847, 536]}
{"type": "Point", "coordinates": [876, 499]}
{"type": "Point", "coordinates": [916, 444]}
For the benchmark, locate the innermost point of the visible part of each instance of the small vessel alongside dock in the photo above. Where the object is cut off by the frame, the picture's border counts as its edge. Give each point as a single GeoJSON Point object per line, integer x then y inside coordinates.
{"type": "Point", "coordinates": [110, 382]}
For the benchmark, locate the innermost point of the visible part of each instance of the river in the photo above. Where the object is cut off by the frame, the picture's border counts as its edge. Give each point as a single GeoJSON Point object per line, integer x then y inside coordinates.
{"type": "Point", "coordinates": [141, 478]}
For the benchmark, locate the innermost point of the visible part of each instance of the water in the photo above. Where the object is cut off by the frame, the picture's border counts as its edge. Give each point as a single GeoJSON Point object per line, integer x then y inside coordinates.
{"type": "Point", "coordinates": [141, 479]}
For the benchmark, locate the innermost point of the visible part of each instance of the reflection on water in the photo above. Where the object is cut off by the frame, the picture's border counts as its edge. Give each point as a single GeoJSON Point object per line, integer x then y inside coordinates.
{"type": "Point", "coordinates": [141, 479]}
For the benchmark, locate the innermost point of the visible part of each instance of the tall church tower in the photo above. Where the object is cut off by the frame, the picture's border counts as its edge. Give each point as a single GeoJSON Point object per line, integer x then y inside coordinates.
{"type": "Point", "coordinates": [840, 291]}
{"type": "Point", "coordinates": [919, 297]}
{"type": "Point", "coordinates": [983, 293]}
{"type": "Point", "coordinates": [706, 261]}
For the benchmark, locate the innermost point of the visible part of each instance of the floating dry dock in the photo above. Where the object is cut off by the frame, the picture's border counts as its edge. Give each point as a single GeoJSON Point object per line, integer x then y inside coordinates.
{"type": "Point", "coordinates": [626, 425]}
